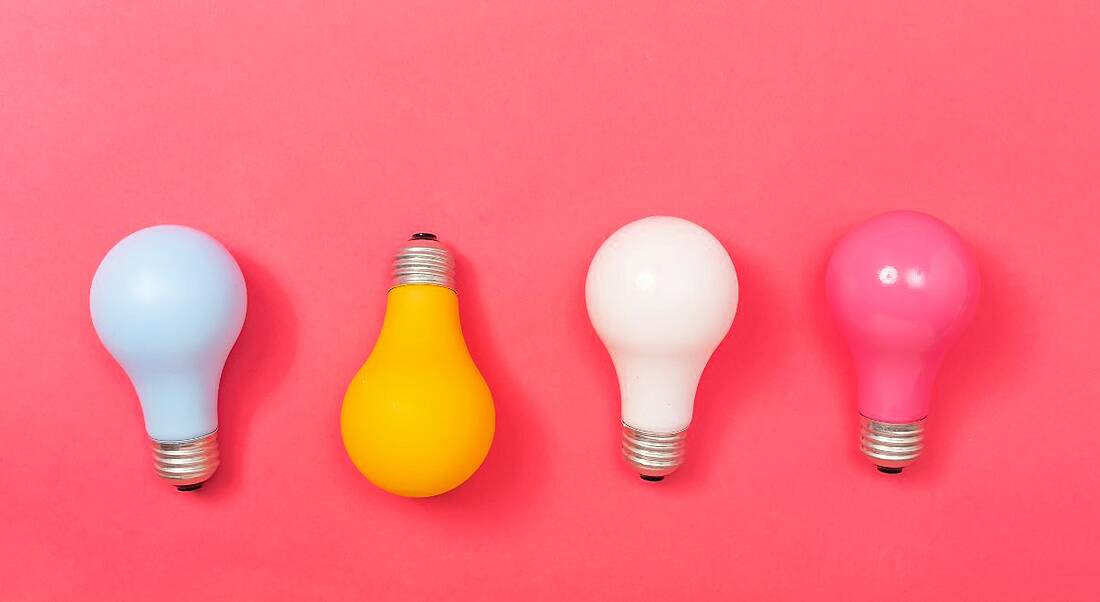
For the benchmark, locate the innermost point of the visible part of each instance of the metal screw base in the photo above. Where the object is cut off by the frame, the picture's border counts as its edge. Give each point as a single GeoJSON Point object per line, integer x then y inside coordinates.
{"type": "Point", "coordinates": [423, 260]}
{"type": "Point", "coordinates": [186, 465]}
{"type": "Point", "coordinates": [891, 445]}
{"type": "Point", "coordinates": [653, 455]}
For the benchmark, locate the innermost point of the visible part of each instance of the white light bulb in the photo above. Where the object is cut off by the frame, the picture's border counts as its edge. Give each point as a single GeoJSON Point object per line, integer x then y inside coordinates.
{"type": "Point", "coordinates": [168, 302]}
{"type": "Point", "coordinates": [661, 294]}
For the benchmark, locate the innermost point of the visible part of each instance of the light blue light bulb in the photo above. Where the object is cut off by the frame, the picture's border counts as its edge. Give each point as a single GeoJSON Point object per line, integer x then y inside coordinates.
{"type": "Point", "coordinates": [168, 302]}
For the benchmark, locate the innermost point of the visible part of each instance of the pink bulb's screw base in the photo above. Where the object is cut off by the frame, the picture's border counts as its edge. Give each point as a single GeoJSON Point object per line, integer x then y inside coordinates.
{"type": "Point", "coordinates": [186, 465]}
{"type": "Point", "coordinates": [653, 455]}
{"type": "Point", "coordinates": [891, 446]}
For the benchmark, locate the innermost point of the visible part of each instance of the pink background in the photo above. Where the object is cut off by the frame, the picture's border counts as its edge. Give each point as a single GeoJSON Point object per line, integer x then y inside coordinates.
{"type": "Point", "coordinates": [311, 139]}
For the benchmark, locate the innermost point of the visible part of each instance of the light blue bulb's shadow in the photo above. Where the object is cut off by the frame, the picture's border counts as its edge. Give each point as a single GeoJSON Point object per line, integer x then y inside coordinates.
{"type": "Point", "coordinates": [256, 368]}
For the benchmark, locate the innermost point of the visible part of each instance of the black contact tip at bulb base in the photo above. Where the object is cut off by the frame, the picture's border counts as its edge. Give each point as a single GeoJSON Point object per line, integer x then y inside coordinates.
{"type": "Point", "coordinates": [889, 469]}
{"type": "Point", "coordinates": [651, 478]}
{"type": "Point", "coordinates": [424, 236]}
{"type": "Point", "coordinates": [191, 487]}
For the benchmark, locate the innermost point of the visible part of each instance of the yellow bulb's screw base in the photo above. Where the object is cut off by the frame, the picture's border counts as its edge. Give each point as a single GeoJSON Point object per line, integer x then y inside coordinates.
{"type": "Point", "coordinates": [423, 260]}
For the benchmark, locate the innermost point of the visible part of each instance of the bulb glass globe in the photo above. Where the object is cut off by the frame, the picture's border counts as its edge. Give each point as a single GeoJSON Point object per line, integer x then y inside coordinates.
{"type": "Point", "coordinates": [168, 303]}
{"type": "Point", "coordinates": [902, 287]}
{"type": "Point", "coordinates": [661, 294]}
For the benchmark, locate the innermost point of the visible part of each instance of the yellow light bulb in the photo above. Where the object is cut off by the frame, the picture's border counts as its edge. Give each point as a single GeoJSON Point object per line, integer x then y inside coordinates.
{"type": "Point", "coordinates": [418, 418]}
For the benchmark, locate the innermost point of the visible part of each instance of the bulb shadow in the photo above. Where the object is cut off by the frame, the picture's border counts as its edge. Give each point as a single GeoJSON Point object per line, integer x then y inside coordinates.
{"type": "Point", "coordinates": [834, 350]}
{"type": "Point", "coordinates": [606, 406]}
{"type": "Point", "coordinates": [256, 366]}
{"type": "Point", "coordinates": [744, 365]}
{"type": "Point", "coordinates": [984, 362]}
{"type": "Point", "coordinates": [507, 478]}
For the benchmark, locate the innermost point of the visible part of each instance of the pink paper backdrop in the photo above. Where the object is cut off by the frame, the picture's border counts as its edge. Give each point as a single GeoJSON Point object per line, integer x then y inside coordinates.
{"type": "Point", "coordinates": [312, 137]}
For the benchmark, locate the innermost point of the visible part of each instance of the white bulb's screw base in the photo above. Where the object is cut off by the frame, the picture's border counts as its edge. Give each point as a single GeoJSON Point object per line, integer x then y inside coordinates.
{"type": "Point", "coordinates": [186, 465]}
{"type": "Point", "coordinates": [423, 260]}
{"type": "Point", "coordinates": [891, 446]}
{"type": "Point", "coordinates": [653, 455]}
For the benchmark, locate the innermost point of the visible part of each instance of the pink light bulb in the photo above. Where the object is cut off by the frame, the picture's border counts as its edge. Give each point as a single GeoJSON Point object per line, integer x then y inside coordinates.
{"type": "Point", "coordinates": [902, 286]}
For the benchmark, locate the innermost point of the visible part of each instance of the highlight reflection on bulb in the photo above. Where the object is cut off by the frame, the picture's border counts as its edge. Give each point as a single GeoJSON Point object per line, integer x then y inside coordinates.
{"type": "Point", "coordinates": [661, 294]}
{"type": "Point", "coordinates": [168, 303]}
{"type": "Point", "coordinates": [418, 418]}
{"type": "Point", "coordinates": [902, 287]}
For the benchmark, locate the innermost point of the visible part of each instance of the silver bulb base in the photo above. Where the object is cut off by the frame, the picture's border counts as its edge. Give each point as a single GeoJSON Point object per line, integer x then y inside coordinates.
{"type": "Point", "coordinates": [891, 446]}
{"type": "Point", "coordinates": [423, 260]}
{"type": "Point", "coordinates": [653, 455]}
{"type": "Point", "coordinates": [186, 465]}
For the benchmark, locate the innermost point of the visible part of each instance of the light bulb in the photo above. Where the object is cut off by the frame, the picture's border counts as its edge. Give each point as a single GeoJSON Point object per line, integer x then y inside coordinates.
{"type": "Point", "coordinates": [168, 303]}
{"type": "Point", "coordinates": [661, 294]}
{"type": "Point", "coordinates": [902, 287]}
{"type": "Point", "coordinates": [418, 418]}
